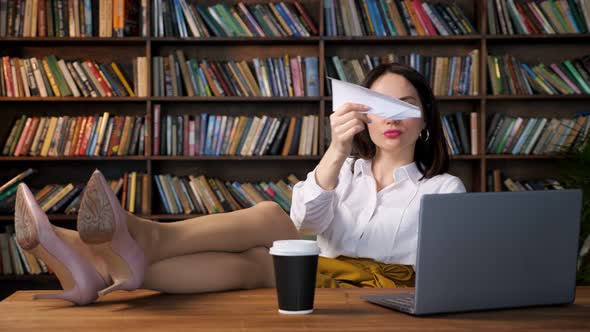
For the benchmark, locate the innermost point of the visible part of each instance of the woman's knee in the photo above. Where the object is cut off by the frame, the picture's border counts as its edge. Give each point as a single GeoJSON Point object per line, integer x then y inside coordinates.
{"type": "Point", "coordinates": [275, 217]}
{"type": "Point", "coordinates": [263, 275]}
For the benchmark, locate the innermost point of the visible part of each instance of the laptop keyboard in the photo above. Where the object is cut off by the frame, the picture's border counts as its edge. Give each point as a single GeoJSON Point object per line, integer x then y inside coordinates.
{"type": "Point", "coordinates": [402, 302]}
{"type": "Point", "coordinates": [406, 300]}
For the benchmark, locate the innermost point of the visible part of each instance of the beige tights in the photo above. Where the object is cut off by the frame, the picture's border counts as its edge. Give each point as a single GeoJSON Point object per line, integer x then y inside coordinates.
{"type": "Point", "coordinates": [209, 253]}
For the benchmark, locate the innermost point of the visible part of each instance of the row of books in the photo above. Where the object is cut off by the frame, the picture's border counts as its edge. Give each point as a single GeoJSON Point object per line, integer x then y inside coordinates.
{"type": "Point", "coordinates": [509, 17]}
{"type": "Point", "coordinates": [50, 77]}
{"type": "Point", "coordinates": [394, 18]}
{"type": "Point", "coordinates": [510, 76]}
{"type": "Point", "coordinates": [57, 136]}
{"type": "Point", "coordinates": [180, 18]}
{"type": "Point", "coordinates": [73, 18]}
{"type": "Point", "coordinates": [282, 77]}
{"type": "Point", "coordinates": [131, 189]}
{"type": "Point", "coordinates": [448, 76]}
{"type": "Point", "coordinates": [536, 135]}
{"type": "Point", "coordinates": [227, 135]}
{"type": "Point", "coordinates": [206, 195]}
{"type": "Point", "coordinates": [16, 261]}
{"type": "Point", "coordinates": [460, 131]}
{"type": "Point", "coordinates": [497, 181]}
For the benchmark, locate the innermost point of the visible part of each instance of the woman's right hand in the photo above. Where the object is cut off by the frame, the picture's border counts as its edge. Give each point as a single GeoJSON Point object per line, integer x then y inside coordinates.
{"type": "Point", "coordinates": [346, 122]}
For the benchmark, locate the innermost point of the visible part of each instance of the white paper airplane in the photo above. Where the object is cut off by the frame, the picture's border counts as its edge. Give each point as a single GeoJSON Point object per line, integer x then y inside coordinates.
{"type": "Point", "coordinates": [378, 103]}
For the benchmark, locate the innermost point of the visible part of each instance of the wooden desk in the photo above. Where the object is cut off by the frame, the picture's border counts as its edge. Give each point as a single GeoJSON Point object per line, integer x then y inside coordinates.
{"type": "Point", "coordinates": [256, 310]}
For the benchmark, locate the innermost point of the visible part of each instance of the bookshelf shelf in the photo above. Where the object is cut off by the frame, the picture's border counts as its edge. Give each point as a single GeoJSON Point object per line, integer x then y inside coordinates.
{"type": "Point", "coordinates": [404, 39]}
{"type": "Point", "coordinates": [235, 158]}
{"type": "Point", "coordinates": [71, 218]}
{"type": "Point", "coordinates": [248, 158]}
{"type": "Point", "coordinates": [81, 158]}
{"type": "Point", "coordinates": [29, 277]}
{"type": "Point", "coordinates": [466, 157]}
{"type": "Point", "coordinates": [75, 99]}
{"type": "Point", "coordinates": [237, 99]}
{"type": "Point", "coordinates": [538, 97]}
{"type": "Point", "coordinates": [64, 217]}
{"type": "Point", "coordinates": [61, 217]}
{"type": "Point", "coordinates": [174, 216]}
{"type": "Point", "coordinates": [235, 40]}
{"type": "Point", "coordinates": [568, 37]}
{"type": "Point", "coordinates": [523, 157]}
{"type": "Point", "coordinates": [73, 40]}
{"type": "Point", "coordinates": [438, 98]}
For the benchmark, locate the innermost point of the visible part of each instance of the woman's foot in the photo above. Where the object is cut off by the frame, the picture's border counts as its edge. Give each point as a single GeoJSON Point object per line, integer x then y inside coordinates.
{"type": "Point", "coordinates": [102, 225]}
{"type": "Point", "coordinates": [77, 275]}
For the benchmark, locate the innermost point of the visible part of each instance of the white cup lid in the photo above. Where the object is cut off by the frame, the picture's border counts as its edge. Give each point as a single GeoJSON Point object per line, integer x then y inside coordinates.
{"type": "Point", "coordinates": [294, 248]}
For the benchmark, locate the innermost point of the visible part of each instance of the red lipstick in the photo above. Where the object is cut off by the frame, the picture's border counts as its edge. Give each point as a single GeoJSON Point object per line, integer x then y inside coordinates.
{"type": "Point", "coordinates": [392, 133]}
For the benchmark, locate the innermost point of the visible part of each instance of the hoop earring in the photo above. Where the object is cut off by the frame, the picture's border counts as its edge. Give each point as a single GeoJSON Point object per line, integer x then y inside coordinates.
{"type": "Point", "coordinates": [427, 135]}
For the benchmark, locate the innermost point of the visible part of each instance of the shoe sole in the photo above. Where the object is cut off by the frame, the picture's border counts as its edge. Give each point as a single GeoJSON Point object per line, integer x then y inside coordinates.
{"type": "Point", "coordinates": [97, 227]}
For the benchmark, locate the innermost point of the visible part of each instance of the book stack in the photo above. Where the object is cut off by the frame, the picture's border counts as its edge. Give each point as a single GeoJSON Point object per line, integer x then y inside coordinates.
{"type": "Point", "coordinates": [227, 135]}
{"type": "Point", "coordinates": [205, 195]}
{"type": "Point", "coordinates": [131, 189]}
{"type": "Point", "coordinates": [179, 18]}
{"type": "Point", "coordinates": [448, 76]}
{"type": "Point", "coordinates": [65, 198]}
{"type": "Point", "coordinates": [496, 181]}
{"type": "Point", "coordinates": [509, 76]}
{"type": "Point", "coordinates": [507, 134]}
{"type": "Point", "coordinates": [460, 131]}
{"type": "Point", "coordinates": [394, 18]}
{"type": "Point", "coordinates": [509, 17]}
{"type": "Point", "coordinates": [16, 261]}
{"type": "Point", "coordinates": [285, 76]}
{"type": "Point", "coordinates": [73, 18]}
{"type": "Point", "coordinates": [69, 136]}
{"type": "Point", "coordinates": [52, 77]}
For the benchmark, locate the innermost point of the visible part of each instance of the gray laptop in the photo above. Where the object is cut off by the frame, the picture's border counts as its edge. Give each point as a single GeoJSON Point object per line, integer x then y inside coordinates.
{"type": "Point", "coordinates": [481, 251]}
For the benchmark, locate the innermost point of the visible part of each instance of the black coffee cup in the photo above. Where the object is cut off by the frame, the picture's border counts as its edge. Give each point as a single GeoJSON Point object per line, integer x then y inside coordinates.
{"type": "Point", "coordinates": [295, 263]}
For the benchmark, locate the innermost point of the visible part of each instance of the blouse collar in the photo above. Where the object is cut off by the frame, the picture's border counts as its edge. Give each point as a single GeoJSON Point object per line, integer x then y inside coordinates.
{"type": "Point", "coordinates": [409, 171]}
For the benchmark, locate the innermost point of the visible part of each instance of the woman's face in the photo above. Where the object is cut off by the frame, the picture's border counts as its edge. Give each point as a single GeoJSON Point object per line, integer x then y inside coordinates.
{"type": "Point", "coordinates": [395, 135]}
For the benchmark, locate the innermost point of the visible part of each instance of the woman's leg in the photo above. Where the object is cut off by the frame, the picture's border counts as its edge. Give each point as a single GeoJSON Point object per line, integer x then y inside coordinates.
{"type": "Point", "coordinates": [231, 232]}
{"type": "Point", "coordinates": [252, 268]}
{"type": "Point", "coordinates": [72, 238]}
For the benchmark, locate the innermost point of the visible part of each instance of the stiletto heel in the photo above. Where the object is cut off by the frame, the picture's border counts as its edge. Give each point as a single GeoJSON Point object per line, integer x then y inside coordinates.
{"type": "Point", "coordinates": [118, 285]}
{"type": "Point", "coordinates": [102, 226]}
{"type": "Point", "coordinates": [78, 277]}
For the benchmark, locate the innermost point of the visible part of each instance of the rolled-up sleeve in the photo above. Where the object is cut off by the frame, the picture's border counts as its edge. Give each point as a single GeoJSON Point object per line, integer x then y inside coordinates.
{"type": "Point", "coordinates": [312, 207]}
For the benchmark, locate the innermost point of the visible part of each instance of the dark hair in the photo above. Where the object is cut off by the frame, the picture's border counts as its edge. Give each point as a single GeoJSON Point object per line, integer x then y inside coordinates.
{"type": "Point", "coordinates": [431, 156]}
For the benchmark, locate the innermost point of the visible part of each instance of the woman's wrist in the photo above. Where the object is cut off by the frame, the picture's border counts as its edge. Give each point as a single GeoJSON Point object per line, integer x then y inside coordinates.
{"type": "Point", "coordinates": [326, 174]}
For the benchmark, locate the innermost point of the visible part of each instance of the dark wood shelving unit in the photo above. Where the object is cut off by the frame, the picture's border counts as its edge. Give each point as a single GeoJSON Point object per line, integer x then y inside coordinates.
{"type": "Point", "coordinates": [236, 99]}
{"type": "Point", "coordinates": [470, 168]}
{"type": "Point", "coordinates": [74, 99]}
{"type": "Point", "coordinates": [74, 40]}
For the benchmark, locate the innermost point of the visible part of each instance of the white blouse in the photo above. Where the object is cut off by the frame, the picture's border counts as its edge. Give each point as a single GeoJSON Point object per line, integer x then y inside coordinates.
{"type": "Point", "coordinates": [355, 220]}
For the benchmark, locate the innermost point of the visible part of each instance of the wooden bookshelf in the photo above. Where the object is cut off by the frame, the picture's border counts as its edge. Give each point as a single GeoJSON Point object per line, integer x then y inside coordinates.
{"type": "Point", "coordinates": [471, 169]}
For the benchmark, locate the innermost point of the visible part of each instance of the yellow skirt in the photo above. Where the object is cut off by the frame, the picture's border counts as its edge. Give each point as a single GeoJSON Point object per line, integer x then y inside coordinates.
{"type": "Point", "coordinates": [346, 272]}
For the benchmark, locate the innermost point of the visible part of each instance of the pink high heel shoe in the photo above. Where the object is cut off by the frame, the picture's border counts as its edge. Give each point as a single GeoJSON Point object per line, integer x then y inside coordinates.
{"type": "Point", "coordinates": [34, 233]}
{"type": "Point", "coordinates": [102, 226]}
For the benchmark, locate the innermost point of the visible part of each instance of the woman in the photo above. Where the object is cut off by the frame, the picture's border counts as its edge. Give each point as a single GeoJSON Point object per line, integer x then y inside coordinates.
{"type": "Point", "coordinates": [115, 250]}
{"type": "Point", "coordinates": [367, 205]}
